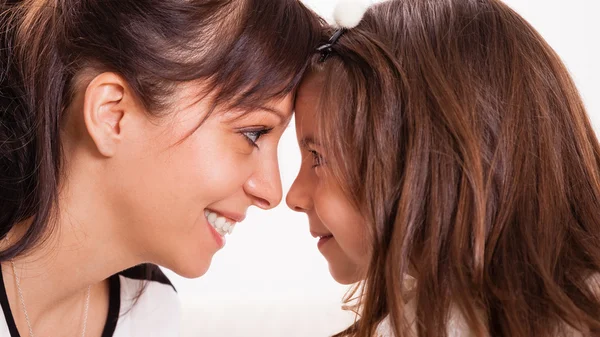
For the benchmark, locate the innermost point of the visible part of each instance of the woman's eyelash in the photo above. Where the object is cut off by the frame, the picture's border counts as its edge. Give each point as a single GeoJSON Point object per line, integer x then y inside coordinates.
{"type": "Point", "coordinates": [254, 135]}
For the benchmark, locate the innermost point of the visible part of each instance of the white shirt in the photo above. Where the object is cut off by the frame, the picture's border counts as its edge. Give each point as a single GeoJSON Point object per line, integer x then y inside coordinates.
{"type": "Point", "coordinates": [457, 325]}
{"type": "Point", "coordinates": [156, 312]}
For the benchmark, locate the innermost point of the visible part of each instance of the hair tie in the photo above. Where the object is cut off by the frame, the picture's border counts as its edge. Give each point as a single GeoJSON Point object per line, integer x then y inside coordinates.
{"type": "Point", "coordinates": [347, 15]}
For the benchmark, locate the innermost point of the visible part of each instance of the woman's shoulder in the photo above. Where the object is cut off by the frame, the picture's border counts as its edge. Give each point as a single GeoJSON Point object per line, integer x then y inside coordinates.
{"type": "Point", "coordinates": [149, 304]}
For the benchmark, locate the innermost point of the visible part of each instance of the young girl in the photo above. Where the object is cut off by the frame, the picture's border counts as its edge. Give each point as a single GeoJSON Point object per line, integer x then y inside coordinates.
{"type": "Point", "coordinates": [133, 132]}
{"type": "Point", "coordinates": [449, 166]}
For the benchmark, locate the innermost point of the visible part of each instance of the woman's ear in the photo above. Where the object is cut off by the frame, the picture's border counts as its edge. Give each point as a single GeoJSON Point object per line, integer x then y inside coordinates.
{"type": "Point", "coordinates": [108, 102]}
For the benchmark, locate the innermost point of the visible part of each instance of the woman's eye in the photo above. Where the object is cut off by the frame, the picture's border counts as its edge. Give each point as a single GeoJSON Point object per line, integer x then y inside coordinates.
{"type": "Point", "coordinates": [254, 135]}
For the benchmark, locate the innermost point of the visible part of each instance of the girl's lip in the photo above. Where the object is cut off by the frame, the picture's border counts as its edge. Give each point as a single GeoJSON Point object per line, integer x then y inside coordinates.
{"type": "Point", "coordinates": [323, 240]}
{"type": "Point", "coordinates": [319, 235]}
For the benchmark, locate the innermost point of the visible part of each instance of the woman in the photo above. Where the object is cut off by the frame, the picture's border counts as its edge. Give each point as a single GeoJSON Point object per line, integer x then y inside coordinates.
{"type": "Point", "coordinates": [134, 132]}
{"type": "Point", "coordinates": [450, 168]}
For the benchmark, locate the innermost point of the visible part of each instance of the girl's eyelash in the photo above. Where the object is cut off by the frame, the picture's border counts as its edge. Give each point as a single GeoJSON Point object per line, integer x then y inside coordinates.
{"type": "Point", "coordinates": [252, 136]}
{"type": "Point", "coordinates": [317, 158]}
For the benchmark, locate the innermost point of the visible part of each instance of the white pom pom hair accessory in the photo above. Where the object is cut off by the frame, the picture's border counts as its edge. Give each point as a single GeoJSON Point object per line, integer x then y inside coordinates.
{"type": "Point", "coordinates": [347, 15]}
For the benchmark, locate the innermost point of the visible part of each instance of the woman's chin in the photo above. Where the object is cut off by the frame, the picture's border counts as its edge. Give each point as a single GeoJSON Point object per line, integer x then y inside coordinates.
{"type": "Point", "coordinates": [189, 264]}
{"type": "Point", "coordinates": [192, 270]}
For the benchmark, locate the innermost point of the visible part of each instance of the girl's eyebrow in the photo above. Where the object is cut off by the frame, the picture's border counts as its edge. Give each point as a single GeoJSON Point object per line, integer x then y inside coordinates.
{"type": "Point", "coordinates": [308, 141]}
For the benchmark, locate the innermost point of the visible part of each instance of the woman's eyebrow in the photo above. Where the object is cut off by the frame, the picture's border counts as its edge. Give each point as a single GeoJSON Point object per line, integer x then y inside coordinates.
{"type": "Point", "coordinates": [279, 113]}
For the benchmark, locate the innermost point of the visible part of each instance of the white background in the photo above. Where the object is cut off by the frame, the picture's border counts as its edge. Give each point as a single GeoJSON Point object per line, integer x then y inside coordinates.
{"type": "Point", "coordinates": [270, 280]}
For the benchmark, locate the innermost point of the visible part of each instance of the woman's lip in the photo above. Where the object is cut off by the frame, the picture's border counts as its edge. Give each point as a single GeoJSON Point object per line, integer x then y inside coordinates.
{"type": "Point", "coordinates": [218, 237]}
{"type": "Point", "coordinates": [230, 216]}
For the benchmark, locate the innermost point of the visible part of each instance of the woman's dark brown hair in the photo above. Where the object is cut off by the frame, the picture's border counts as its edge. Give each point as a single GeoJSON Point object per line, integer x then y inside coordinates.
{"type": "Point", "coordinates": [245, 52]}
{"type": "Point", "coordinates": [459, 134]}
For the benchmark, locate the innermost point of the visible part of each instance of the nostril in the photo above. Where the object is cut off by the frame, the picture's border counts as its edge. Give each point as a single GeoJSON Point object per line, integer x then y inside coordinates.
{"type": "Point", "coordinates": [262, 203]}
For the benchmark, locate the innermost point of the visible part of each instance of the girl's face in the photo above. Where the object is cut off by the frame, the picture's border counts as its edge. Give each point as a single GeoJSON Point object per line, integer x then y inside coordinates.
{"type": "Point", "coordinates": [166, 184]}
{"type": "Point", "coordinates": [341, 229]}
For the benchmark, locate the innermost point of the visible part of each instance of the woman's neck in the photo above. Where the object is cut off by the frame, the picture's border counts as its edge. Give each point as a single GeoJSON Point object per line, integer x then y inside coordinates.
{"type": "Point", "coordinates": [81, 250]}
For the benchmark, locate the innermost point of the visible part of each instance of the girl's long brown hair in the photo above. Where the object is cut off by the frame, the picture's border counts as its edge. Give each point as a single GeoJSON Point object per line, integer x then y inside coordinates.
{"type": "Point", "coordinates": [459, 134]}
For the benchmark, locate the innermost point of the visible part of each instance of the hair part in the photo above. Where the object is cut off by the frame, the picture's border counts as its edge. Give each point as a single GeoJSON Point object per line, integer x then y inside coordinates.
{"type": "Point", "coordinates": [460, 136]}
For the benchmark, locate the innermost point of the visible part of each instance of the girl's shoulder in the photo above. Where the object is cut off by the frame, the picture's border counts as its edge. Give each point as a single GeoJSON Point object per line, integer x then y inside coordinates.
{"type": "Point", "coordinates": [384, 329]}
{"type": "Point", "coordinates": [457, 325]}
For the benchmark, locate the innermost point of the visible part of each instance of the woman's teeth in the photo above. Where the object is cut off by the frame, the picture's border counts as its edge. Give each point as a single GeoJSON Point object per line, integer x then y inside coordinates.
{"type": "Point", "coordinates": [219, 223]}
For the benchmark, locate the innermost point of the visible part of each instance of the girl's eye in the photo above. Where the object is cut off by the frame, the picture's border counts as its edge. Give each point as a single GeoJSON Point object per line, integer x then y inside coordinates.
{"type": "Point", "coordinates": [254, 135]}
{"type": "Point", "coordinates": [317, 158]}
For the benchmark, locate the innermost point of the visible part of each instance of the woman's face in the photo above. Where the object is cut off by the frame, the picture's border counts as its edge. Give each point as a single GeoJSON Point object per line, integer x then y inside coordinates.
{"type": "Point", "coordinates": [168, 184]}
{"type": "Point", "coordinates": [341, 229]}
